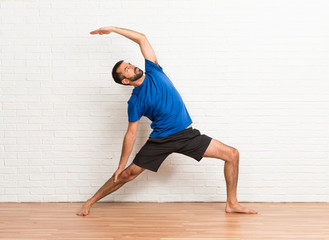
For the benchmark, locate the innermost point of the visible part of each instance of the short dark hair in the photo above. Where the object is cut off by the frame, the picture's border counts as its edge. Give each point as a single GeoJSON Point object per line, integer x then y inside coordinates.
{"type": "Point", "coordinates": [117, 76]}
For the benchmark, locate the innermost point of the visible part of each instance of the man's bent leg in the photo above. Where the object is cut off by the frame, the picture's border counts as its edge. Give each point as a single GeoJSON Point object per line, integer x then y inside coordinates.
{"type": "Point", "coordinates": [131, 172]}
{"type": "Point", "coordinates": [230, 155]}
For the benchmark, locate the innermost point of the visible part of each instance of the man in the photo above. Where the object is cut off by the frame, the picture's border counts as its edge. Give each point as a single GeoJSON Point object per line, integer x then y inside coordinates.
{"type": "Point", "coordinates": [155, 97]}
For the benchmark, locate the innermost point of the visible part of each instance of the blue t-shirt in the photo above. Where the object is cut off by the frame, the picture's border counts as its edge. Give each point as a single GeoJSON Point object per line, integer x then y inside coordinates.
{"type": "Point", "coordinates": [158, 100]}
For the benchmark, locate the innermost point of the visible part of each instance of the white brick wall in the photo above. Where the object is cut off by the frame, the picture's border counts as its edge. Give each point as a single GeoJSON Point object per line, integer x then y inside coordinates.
{"type": "Point", "coordinates": [253, 74]}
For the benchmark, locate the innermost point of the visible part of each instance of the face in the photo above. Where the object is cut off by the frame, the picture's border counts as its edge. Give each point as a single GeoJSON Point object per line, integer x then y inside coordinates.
{"type": "Point", "coordinates": [130, 72]}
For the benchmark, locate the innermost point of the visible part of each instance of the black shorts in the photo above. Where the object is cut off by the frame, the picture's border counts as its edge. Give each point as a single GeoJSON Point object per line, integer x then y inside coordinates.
{"type": "Point", "coordinates": [188, 142]}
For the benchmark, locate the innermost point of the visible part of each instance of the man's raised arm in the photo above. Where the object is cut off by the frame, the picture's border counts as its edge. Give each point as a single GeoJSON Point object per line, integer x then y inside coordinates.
{"type": "Point", "coordinates": [137, 37]}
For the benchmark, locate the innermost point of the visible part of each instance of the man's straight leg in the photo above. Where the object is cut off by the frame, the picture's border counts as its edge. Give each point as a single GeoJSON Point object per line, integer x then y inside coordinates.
{"type": "Point", "coordinates": [131, 172]}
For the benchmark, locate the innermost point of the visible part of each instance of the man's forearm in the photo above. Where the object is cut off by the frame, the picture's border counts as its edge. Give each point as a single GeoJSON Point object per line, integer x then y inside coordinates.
{"type": "Point", "coordinates": [132, 35]}
{"type": "Point", "coordinates": [127, 147]}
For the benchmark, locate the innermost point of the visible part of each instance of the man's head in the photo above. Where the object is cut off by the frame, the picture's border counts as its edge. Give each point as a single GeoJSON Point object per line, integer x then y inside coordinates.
{"type": "Point", "coordinates": [124, 73]}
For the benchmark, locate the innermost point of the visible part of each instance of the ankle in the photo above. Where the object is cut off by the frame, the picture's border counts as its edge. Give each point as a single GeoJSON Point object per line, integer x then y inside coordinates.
{"type": "Point", "coordinates": [90, 202]}
{"type": "Point", "coordinates": [232, 202]}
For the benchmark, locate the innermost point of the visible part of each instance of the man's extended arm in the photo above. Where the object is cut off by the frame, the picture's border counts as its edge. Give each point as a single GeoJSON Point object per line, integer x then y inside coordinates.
{"type": "Point", "coordinates": [132, 35]}
{"type": "Point", "coordinates": [127, 147]}
{"type": "Point", "coordinates": [137, 37]}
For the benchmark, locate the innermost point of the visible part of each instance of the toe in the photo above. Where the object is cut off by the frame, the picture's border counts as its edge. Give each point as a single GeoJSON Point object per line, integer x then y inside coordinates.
{"type": "Point", "coordinates": [80, 214]}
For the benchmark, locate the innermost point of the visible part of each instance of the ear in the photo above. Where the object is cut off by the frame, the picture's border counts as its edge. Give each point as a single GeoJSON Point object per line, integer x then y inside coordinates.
{"type": "Point", "coordinates": [125, 81]}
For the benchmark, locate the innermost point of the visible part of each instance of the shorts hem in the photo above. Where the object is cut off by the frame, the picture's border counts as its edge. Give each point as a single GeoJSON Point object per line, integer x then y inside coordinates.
{"type": "Point", "coordinates": [146, 167]}
{"type": "Point", "coordinates": [204, 149]}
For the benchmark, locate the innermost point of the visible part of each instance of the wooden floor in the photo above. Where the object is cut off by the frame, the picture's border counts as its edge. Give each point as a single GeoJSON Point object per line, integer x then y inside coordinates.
{"type": "Point", "coordinates": [165, 221]}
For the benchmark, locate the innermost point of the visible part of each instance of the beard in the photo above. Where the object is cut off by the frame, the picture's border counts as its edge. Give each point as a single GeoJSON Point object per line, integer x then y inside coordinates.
{"type": "Point", "coordinates": [138, 75]}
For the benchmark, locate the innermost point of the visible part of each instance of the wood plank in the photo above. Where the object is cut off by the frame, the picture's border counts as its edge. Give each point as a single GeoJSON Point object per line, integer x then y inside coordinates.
{"type": "Point", "coordinates": [163, 221]}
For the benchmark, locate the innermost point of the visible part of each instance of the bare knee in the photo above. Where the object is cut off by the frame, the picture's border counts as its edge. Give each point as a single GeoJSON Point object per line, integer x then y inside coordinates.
{"type": "Point", "coordinates": [126, 176]}
{"type": "Point", "coordinates": [235, 155]}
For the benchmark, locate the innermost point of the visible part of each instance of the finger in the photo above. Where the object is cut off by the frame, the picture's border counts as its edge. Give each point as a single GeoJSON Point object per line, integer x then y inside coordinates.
{"type": "Point", "coordinates": [94, 32]}
{"type": "Point", "coordinates": [115, 178]}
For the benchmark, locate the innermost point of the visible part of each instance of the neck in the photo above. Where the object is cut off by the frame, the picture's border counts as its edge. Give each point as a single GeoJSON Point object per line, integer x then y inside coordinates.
{"type": "Point", "coordinates": [138, 82]}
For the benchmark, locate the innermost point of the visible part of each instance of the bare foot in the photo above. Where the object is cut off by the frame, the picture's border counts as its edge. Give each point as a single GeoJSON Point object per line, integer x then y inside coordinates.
{"type": "Point", "coordinates": [84, 211]}
{"type": "Point", "coordinates": [237, 208]}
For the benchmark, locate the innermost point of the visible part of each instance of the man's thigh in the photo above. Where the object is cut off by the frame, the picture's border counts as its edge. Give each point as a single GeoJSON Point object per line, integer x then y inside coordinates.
{"type": "Point", "coordinates": [217, 149]}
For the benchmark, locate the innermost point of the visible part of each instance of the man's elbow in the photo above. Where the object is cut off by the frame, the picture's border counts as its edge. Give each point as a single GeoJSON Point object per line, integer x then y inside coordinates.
{"type": "Point", "coordinates": [142, 38]}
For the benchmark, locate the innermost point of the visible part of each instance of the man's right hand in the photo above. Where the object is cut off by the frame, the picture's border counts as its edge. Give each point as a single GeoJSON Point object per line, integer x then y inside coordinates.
{"type": "Point", "coordinates": [117, 173]}
{"type": "Point", "coordinates": [102, 30]}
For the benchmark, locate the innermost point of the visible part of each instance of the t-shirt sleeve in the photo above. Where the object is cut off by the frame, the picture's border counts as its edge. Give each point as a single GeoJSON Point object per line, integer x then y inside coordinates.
{"type": "Point", "coordinates": [133, 112]}
{"type": "Point", "coordinates": [151, 66]}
